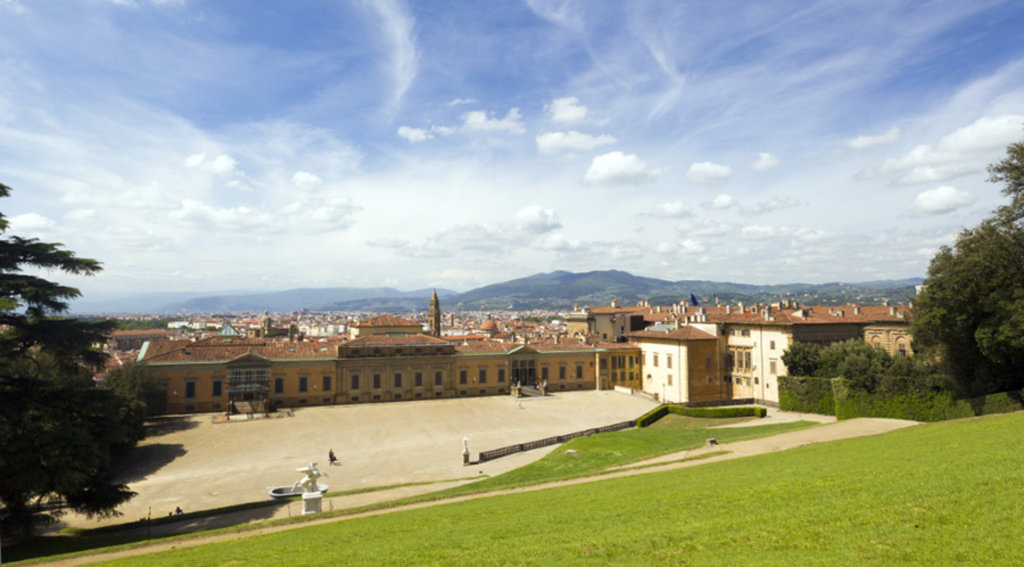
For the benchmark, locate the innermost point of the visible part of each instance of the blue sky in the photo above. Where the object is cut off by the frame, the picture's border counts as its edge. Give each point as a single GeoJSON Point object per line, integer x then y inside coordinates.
{"type": "Point", "coordinates": [192, 145]}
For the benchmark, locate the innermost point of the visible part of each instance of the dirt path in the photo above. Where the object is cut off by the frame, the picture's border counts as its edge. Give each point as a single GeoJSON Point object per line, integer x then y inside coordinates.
{"type": "Point", "coordinates": [829, 432]}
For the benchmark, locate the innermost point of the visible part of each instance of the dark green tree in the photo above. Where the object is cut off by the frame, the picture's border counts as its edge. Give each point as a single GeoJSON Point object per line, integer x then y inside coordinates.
{"type": "Point", "coordinates": [61, 438]}
{"type": "Point", "coordinates": [971, 312]}
{"type": "Point", "coordinates": [801, 359]}
{"type": "Point", "coordinates": [144, 395]}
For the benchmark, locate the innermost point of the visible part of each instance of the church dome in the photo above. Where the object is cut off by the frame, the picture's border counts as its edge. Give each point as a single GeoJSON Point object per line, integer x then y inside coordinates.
{"type": "Point", "coordinates": [489, 325]}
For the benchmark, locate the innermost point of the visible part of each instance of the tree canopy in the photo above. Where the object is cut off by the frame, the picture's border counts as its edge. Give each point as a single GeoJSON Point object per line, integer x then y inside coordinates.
{"type": "Point", "coordinates": [971, 311]}
{"type": "Point", "coordinates": [61, 438]}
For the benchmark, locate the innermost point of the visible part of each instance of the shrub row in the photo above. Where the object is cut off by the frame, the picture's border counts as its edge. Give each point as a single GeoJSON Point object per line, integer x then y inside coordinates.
{"type": "Point", "coordinates": [927, 406]}
{"type": "Point", "coordinates": [660, 411]}
{"type": "Point", "coordinates": [806, 395]}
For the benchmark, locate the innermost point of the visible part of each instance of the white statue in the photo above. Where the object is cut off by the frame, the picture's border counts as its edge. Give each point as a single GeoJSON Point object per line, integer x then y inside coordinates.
{"type": "Point", "coordinates": [465, 445]}
{"type": "Point", "coordinates": [309, 482]}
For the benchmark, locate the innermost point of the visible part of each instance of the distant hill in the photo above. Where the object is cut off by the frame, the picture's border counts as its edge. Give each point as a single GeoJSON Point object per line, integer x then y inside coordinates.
{"type": "Point", "coordinates": [561, 290]}
{"type": "Point", "coordinates": [555, 291]}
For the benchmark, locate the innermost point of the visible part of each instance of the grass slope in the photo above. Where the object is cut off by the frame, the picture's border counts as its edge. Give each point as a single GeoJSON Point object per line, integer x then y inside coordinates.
{"type": "Point", "coordinates": [944, 493]}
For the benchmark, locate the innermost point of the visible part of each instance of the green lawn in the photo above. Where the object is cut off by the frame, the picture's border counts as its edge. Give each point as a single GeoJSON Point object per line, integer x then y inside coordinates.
{"type": "Point", "coordinates": [597, 453]}
{"type": "Point", "coordinates": [937, 494]}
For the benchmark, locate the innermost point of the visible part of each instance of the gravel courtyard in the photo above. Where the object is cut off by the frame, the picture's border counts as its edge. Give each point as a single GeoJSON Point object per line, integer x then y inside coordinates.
{"type": "Point", "coordinates": [199, 463]}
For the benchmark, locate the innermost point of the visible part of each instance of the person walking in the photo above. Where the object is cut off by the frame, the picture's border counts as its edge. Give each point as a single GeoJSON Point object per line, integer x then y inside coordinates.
{"type": "Point", "coordinates": [332, 457]}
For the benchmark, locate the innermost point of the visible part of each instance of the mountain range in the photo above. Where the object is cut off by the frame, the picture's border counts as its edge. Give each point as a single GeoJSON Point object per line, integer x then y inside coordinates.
{"type": "Point", "coordinates": [559, 290]}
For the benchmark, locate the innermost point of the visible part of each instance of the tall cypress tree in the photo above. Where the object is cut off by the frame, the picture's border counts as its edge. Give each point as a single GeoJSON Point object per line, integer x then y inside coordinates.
{"type": "Point", "coordinates": [61, 438]}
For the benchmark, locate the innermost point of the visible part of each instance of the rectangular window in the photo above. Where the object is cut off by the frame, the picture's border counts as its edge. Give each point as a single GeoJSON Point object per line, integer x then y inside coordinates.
{"type": "Point", "coordinates": [544, 373]}
{"type": "Point", "coordinates": [303, 383]}
{"type": "Point", "coordinates": [746, 359]}
{"type": "Point", "coordinates": [745, 332]}
{"type": "Point", "coordinates": [462, 376]}
{"type": "Point", "coordinates": [668, 361]}
{"type": "Point", "coordinates": [707, 362]}
{"type": "Point", "coordinates": [579, 371]}
{"type": "Point", "coordinates": [771, 367]}
{"type": "Point", "coordinates": [561, 373]}
{"type": "Point", "coordinates": [355, 381]}
{"type": "Point", "coordinates": [398, 379]}
{"type": "Point", "coordinates": [278, 385]}
{"type": "Point", "coordinates": [327, 384]}
{"type": "Point", "coordinates": [438, 378]}
{"type": "Point", "coordinates": [376, 380]}
{"type": "Point", "coordinates": [669, 379]}
{"type": "Point", "coordinates": [190, 389]}
{"type": "Point", "coordinates": [418, 377]}
{"type": "Point", "coordinates": [216, 388]}
{"type": "Point", "coordinates": [630, 362]}
{"type": "Point", "coordinates": [771, 345]}
{"type": "Point", "coordinates": [655, 360]}
{"type": "Point", "coordinates": [501, 375]}
{"type": "Point", "coordinates": [482, 376]}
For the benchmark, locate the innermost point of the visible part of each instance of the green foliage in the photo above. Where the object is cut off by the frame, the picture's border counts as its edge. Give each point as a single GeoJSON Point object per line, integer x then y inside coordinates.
{"type": "Point", "coordinates": [60, 437]}
{"type": "Point", "coordinates": [142, 324]}
{"type": "Point", "coordinates": [920, 405]}
{"type": "Point", "coordinates": [718, 412]}
{"type": "Point", "coordinates": [801, 359]}
{"type": "Point", "coordinates": [806, 394]}
{"type": "Point", "coordinates": [971, 312]}
{"type": "Point", "coordinates": [133, 383]}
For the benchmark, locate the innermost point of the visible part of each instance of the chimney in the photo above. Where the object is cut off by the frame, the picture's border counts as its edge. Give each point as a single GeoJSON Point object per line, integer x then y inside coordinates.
{"type": "Point", "coordinates": [892, 310]}
{"type": "Point", "coordinates": [728, 309]}
{"type": "Point", "coordinates": [739, 308]}
{"type": "Point", "coordinates": [615, 303]}
{"type": "Point", "coordinates": [856, 309]}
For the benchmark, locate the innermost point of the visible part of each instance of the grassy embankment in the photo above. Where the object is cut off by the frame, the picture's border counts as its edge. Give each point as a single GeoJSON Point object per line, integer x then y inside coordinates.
{"type": "Point", "coordinates": [937, 494]}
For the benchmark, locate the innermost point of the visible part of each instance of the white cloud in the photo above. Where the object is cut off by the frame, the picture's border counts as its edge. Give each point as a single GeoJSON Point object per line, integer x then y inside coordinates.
{"type": "Point", "coordinates": [765, 161]}
{"type": "Point", "coordinates": [414, 134]}
{"type": "Point", "coordinates": [306, 180]}
{"type": "Point", "coordinates": [773, 203]}
{"type": "Point", "coordinates": [558, 242]}
{"type": "Point", "coordinates": [29, 223]}
{"type": "Point", "coordinates": [552, 142]}
{"type": "Point", "coordinates": [618, 168]}
{"type": "Point", "coordinates": [941, 200]}
{"type": "Point", "coordinates": [674, 210]}
{"type": "Point", "coordinates": [220, 165]}
{"type": "Point", "coordinates": [707, 172]}
{"type": "Point", "coordinates": [398, 28]}
{"type": "Point", "coordinates": [691, 247]}
{"type": "Point", "coordinates": [461, 101]}
{"type": "Point", "coordinates": [862, 142]}
{"type": "Point", "coordinates": [537, 219]}
{"type": "Point", "coordinates": [723, 201]}
{"type": "Point", "coordinates": [477, 121]}
{"type": "Point", "coordinates": [567, 109]}
{"type": "Point", "coordinates": [964, 151]}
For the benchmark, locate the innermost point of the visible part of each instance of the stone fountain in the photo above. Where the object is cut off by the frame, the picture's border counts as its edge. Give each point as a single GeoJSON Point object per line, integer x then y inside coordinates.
{"type": "Point", "coordinates": [308, 484]}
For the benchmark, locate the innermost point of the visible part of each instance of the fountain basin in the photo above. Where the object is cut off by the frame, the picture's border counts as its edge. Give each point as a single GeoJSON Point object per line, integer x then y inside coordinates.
{"type": "Point", "coordinates": [289, 491]}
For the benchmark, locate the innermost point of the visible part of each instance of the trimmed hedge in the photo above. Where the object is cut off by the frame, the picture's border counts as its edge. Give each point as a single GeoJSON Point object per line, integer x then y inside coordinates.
{"type": "Point", "coordinates": [937, 406]}
{"type": "Point", "coordinates": [719, 412]}
{"type": "Point", "coordinates": [806, 394]}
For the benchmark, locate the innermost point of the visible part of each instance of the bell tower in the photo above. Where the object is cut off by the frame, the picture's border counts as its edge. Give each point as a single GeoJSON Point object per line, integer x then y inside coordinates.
{"type": "Point", "coordinates": [435, 315]}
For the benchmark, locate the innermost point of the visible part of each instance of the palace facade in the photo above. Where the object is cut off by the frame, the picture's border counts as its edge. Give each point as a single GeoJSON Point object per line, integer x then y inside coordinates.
{"type": "Point", "coordinates": [679, 353]}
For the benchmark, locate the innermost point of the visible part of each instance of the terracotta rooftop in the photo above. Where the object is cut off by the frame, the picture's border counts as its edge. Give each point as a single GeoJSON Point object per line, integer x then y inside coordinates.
{"type": "Point", "coordinates": [681, 334]}
{"type": "Point", "coordinates": [222, 349]}
{"type": "Point", "coordinates": [387, 320]}
{"type": "Point", "coordinates": [395, 340]}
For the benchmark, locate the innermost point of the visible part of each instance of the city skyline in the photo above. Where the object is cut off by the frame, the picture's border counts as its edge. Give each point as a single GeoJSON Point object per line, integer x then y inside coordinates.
{"type": "Point", "coordinates": [197, 145]}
